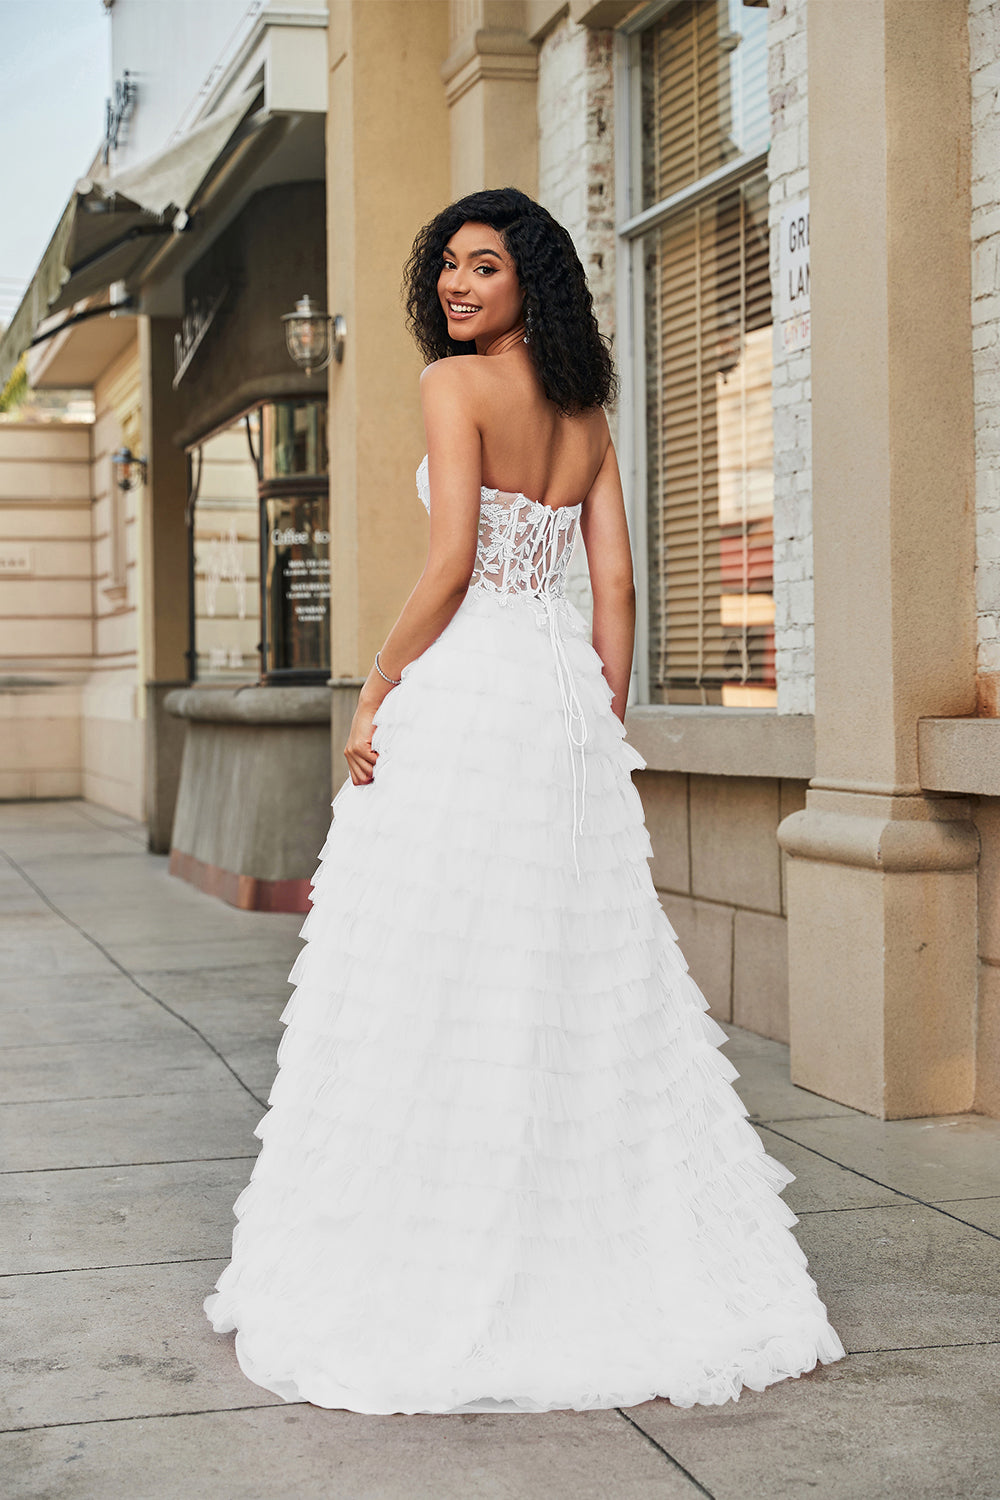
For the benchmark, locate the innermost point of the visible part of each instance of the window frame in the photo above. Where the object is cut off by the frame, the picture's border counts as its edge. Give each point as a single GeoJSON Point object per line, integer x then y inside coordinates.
{"type": "Point", "coordinates": [630, 310]}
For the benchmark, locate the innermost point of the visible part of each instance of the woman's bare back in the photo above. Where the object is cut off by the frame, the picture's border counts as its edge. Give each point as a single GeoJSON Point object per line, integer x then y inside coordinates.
{"type": "Point", "coordinates": [527, 447]}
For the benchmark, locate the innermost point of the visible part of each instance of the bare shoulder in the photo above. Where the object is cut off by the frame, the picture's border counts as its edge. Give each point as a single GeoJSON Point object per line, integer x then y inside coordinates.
{"type": "Point", "coordinates": [599, 435]}
{"type": "Point", "coordinates": [459, 384]}
{"type": "Point", "coordinates": [457, 373]}
{"type": "Point", "coordinates": [597, 419]}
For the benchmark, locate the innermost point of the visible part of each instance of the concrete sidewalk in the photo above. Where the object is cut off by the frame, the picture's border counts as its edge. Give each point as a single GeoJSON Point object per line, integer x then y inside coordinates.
{"type": "Point", "coordinates": [139, 1026]}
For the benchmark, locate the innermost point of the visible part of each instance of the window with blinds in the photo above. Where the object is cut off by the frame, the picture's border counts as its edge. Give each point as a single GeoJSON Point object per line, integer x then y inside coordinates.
{"type": "Point", "coordinates": [707, 324]}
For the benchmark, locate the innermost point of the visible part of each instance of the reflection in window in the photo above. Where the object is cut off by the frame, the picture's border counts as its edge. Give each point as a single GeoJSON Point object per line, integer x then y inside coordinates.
{"type": "Point", "coordinates": [707, 328]}
{"type": "Point", "coordinates": [704, 93]}
{"type": "Point", "coordinates": [226, 545]}
{"type": "Point", "coordinates": [295, 510]}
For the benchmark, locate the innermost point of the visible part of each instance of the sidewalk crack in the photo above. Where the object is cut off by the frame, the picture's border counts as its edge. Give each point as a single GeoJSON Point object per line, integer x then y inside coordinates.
{"type": "Point", "coordinates": [137, 983]}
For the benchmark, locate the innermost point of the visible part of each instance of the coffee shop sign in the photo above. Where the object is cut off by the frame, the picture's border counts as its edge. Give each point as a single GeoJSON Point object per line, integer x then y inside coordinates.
{"type": "Point", "coordinates": [292, 538]}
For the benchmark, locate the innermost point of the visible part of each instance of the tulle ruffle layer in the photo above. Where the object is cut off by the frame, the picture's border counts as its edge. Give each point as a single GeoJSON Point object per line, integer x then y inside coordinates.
{"type": "Point", "coordinates": [504, 1167]}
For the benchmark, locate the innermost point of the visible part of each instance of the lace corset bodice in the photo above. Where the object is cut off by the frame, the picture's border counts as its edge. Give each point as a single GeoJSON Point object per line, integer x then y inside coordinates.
{"type": "Point", "coordinates": [524, 546]}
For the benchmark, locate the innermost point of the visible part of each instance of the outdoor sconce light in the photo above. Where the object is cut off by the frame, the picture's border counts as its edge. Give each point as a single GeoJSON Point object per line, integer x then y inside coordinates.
{"type": "Point", "coordinates": [128, 470]}
{"type": "Point", "coordinates": [313, 337]}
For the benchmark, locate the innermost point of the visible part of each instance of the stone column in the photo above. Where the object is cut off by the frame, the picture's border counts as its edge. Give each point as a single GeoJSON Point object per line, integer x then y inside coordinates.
{"type": "Point", "coordinates": [387, 174]}
{"type": "Point", "coordinates": [490, 76]}
{"type": "Point", "coordinates": [164, 563]}
{"type": "Point", "coordinates": [882, 878]}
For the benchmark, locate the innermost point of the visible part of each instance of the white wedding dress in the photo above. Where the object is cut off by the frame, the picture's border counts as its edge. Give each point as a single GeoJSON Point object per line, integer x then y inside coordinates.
{"type": "Point", "coordinates": [504, 1167]}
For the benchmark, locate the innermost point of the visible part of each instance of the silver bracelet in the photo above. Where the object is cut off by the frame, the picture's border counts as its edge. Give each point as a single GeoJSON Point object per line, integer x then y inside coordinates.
{"type": "Point", "coordinates": [394, 680]}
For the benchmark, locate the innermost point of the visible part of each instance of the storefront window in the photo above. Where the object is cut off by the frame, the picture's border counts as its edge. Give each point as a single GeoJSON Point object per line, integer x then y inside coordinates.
{"type": "Point", "coordinates": [260, 541]}
{"type": "Point", "coordinates": [704, 312]}
{"type": "Point", "coordinates": [225, 543]}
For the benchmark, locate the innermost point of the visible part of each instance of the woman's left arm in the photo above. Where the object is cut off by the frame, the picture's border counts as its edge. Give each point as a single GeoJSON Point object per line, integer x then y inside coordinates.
{"type": "Point", "coordinates": [455, 463]}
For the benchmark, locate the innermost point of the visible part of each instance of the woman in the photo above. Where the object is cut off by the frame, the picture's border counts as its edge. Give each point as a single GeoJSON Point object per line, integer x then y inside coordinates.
{"type": "Point", "coordinates": [504, 1167]}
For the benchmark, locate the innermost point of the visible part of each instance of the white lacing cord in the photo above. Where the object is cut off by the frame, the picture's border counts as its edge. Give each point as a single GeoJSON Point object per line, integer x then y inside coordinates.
{"type": "Point", "coordinates": [573, 715]}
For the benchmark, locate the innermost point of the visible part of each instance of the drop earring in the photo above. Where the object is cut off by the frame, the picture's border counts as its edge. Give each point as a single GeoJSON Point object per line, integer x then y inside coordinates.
{"type": "Point", "coordinates": [529, 324]}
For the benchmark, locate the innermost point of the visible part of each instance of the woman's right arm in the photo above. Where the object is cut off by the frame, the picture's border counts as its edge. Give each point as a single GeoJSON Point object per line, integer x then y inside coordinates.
{"type": "Point", "coordinates": [609, 559]}
{"type": "Point", "coordinates": [454, 452]}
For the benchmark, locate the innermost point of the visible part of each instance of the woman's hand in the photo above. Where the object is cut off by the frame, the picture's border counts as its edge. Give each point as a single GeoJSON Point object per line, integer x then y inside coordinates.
{"type": "Point", "coordinates": [358, 751]}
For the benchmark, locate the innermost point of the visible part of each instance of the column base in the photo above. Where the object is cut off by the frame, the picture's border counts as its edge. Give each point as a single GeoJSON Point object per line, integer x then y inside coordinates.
{"type": "Point", "coordinates": [881, 895]}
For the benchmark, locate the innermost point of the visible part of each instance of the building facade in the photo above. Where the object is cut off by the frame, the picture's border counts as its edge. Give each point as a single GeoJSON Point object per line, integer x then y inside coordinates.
{"type": "Point", "coordinates": [789, 217]}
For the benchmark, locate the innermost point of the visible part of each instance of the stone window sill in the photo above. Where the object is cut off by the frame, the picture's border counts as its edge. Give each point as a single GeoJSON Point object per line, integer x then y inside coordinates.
{"type": "Point", "coordinates": [723, 741]}
{"type": "Point", "coordinates": [959, 755]}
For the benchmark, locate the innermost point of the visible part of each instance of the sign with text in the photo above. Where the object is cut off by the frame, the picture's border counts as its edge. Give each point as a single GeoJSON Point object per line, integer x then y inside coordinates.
{"type": "Point", "coordinates": [297, 583]}
{"type": "Point", "coordinates": [793, 276]}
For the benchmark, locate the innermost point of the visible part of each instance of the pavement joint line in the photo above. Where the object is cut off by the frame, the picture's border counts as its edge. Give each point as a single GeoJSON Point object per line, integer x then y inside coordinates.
{"type": "Point", "coordinates": [155, 1416]}
{"type": "Point", "coordinates": [130, 976]}
{"type": "Point", "coordinates": [666, 1454]}
{"type": "Point", "coordinates": [793, 1119]}
{"type": "Point", "coordinates": [125, 1265]}
{"type": "Point", "coordinates": [97, 1098]}
{"type": "Point", "coordinates": [969, 1198]}
{"type": "Point", "coordinates": [900, 1192]}
{"type": "Point", "coordinates": [118, 1166]}
{"type": "Point", "coordinates": [847, 1208]}
{"type": "Point", "coordinates": [916, 1348]}
{"type": "Point", "coordinates": [857, 1208]}
{"type": "Point", "coordinates": [81, 812]}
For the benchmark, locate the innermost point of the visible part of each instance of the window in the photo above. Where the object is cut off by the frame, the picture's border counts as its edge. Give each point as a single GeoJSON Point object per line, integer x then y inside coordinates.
{"type": "Point", "coordinates": [701, 301]}
{"type": "Point", "coordinates": [259, 548]}
{"type": "Point", "coordinates": [295, 551]}
{"type": "Point", "coordinates": [225, 554]}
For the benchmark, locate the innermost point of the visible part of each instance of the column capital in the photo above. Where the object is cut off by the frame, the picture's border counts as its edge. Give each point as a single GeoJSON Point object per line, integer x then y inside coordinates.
{"type": "Point", "coordinates": [503, 54]}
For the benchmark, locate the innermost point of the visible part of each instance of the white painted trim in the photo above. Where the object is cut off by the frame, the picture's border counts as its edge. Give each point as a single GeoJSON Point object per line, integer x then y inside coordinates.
{"type": "Point", "coordinates": [631, 446]}
{"type": "Point", "coordinates": [646, 17]}
{"type": "Point", "coordinates": [232, 69]}
{"type": "Point", "coordinates": [652, 218]}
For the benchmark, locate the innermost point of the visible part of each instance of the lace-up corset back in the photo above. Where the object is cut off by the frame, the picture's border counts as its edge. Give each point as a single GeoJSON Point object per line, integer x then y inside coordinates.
{"type": "Point", "coordinates": [524, 546]}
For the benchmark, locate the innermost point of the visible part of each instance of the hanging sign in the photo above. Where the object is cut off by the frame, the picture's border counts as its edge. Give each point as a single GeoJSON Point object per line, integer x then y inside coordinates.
{"type": "Point", "coordinates": [793, 277]}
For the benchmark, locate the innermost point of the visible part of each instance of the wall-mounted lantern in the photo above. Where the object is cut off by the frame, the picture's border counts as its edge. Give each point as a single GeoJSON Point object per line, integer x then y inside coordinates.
{"type": "Point", "coordinates": [313, 338]}
{"type": "Point", "coordinates": [128, 470]}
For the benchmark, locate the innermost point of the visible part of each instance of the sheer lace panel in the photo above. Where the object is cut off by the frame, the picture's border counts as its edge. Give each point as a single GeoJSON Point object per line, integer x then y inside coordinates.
{"type": "Point", "coordinates": [524, 546]}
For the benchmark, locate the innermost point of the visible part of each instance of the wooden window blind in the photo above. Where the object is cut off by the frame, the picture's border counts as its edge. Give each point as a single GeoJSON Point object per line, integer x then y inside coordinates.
{"type": "Point", "coordinates": [708, 364]}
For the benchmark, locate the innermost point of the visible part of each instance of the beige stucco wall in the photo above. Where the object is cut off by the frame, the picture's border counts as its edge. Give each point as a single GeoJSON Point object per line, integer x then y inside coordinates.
{"type": "Point", "coordinates": [111, 705]}
{"type": "Point", "coordinates": [45, 605]}
{"type": "Point", "coordinates": [388, 172]}
{"type": "Point", "coordinates": [70, 711]}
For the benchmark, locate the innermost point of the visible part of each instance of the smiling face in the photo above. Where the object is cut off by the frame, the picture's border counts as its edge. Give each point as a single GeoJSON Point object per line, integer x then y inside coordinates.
{"type": "Point", "coordinates": [478, 287]}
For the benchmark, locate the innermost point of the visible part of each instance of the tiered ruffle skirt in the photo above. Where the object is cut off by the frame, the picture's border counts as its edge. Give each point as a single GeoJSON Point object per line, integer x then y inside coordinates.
{"type": "Point", "coordinates": [504, 1166]}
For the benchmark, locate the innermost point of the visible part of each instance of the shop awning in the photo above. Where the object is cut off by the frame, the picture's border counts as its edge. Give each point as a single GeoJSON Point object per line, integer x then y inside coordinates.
{"type": "Point", "coordinates": [113, 224]}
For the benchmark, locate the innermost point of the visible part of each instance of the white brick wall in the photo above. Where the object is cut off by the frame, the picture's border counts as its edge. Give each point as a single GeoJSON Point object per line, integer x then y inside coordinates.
{"type": "Point", "coordinates": [576, 149]}
{"type": "Point", "coordinates": [984, 60]}
{"type": "Point", "coordinates": [576, 178]}
{"type": "Point", "coordinates": [788, 172]}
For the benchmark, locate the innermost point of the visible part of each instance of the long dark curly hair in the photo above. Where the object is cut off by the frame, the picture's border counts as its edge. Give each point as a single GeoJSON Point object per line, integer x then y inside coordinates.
{"type": "Point", "coordinates": [569, 351]}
